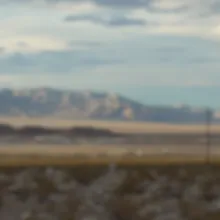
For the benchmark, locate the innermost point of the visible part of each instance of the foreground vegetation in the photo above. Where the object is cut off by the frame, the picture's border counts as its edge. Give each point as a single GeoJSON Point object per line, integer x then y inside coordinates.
{"type": "Point", "coordinates": [110, 191]}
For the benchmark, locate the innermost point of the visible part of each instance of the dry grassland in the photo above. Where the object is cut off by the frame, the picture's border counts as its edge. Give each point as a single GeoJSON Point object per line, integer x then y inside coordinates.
{"type": "Point", "coordinates": [103, 155]}
{"type": "Point", "coordinates": [34, 160]}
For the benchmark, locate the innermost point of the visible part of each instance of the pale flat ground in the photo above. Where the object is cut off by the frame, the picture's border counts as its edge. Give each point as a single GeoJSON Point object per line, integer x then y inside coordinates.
{"type": "Point", "coordinates": [127, 127]}
{"type": "Point", "coordinates": [20, 153]}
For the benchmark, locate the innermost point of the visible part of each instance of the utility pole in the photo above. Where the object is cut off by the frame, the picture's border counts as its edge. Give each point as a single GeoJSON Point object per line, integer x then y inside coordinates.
{"type": "Point", "coordinates": [208, 135]}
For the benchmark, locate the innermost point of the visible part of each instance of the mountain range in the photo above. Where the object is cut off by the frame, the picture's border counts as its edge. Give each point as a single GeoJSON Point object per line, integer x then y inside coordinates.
{"type": "Point", "coordinates": [43, 102]}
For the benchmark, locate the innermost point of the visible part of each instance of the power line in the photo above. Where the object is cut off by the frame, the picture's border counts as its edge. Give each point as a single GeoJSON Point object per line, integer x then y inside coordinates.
{"type": "Point", "coordinates": [208, 135]}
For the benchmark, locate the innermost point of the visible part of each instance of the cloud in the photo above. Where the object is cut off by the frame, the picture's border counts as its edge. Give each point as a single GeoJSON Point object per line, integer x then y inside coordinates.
{"type": "Point", "coordinates": [87, 44]}
{"type": "Point", "coordinates": [169, 4]}
{"type": "Point", "coordinates": [167, 42]}
{"type": "Point", "coordinates": [55, 62]}
{"type": "Point", "coordinates": [211, 5]}
{"type": "Point", "coordinates": [2, 50]}
{"type": "Point", "coordinates": [159, 17]}
{"type": "Point", "coordinates": [138, 61]}
{"type": "Point", "coordinates": [215, 7]}
{"type": "Point", "coordinates": [169, 50]}
{"type": "Point", "coordinates": [112, 21]}
{"type": "Point", "coordinates": [108, 3]}
{"type": "Point", "coordinates": [184, 55]}
{"type": "Point", "coordinates": [195, 8]}
{"type": "Point", "coordinates": [22, 44]}
{"type": "Point", "coordinates": [123, 3]}
{"type": "Point", "coordinates": [202, 7]}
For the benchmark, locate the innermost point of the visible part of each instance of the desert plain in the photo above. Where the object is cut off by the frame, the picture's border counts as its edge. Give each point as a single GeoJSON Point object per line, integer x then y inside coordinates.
{"type": "Point", "coordinates": [149, 172]}
{"type": "Point", "coordinates": [144, 143]}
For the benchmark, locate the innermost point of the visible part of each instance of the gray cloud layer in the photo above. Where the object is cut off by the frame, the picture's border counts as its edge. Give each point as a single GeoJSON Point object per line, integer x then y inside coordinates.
{"type": "Point", "coordinates": [2, 50]}
{"type": "Point", "coordinates": [74, 61]}
{"type": "Point", "coordinates": [113, 21]}
{"type": "Point", "coordinates": [83, 43]}
{"type": "Point", "coordinates": [63, 61]}
{"type": "Point", "coordinates": [211, 5]}
{"type": "Point", "coordinates": [22, 44]}
{"type": "Point", "coordinates": [111, 3]}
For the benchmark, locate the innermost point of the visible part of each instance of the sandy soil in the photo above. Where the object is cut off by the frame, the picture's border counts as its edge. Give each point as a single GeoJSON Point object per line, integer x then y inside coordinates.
{"type": "Point", "coordinates": [128, 127]}
{"type": "Point", "coordinates": [105, 149]}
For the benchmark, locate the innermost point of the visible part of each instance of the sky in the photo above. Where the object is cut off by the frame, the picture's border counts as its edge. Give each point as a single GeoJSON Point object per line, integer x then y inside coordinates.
{"type": "Point", "coordinates": [154, 51]}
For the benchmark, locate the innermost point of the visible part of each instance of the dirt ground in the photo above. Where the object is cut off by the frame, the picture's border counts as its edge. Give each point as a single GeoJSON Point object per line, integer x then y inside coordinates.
{"type": "Point", "coordinates": [85, 154]}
